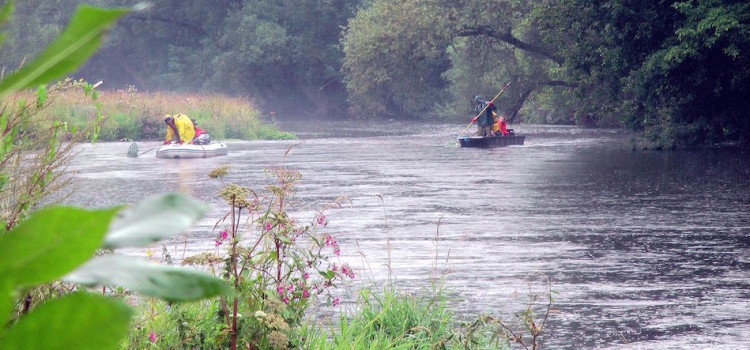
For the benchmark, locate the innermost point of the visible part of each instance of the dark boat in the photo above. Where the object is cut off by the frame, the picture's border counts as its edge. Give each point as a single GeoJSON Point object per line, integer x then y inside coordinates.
{"type": "Point", "coordinates": [492, 141]}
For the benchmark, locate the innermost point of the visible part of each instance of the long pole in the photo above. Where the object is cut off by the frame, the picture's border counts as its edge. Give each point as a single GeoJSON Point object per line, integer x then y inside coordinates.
{"type": "Point", "coordinates": [483, 109]}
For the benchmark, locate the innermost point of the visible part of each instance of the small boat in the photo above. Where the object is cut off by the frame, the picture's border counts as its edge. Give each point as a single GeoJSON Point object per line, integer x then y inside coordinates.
{"type": "Point", "coordinates": [491, 141]}
{"type": "Point", "coordinates": [186, 150]}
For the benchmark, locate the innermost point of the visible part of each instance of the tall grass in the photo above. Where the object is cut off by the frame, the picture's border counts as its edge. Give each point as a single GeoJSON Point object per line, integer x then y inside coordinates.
{"type": "Point", "coordinates": [388, 320]}
{"type": "Point", "coordinates": [133, 115]}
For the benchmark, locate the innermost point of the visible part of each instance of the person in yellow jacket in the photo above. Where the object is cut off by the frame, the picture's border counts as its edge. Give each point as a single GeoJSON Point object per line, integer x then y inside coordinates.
{"type": "Point", "coordinates": [179, 126]}
{"type": "Point", "coordinates": [495, 125]}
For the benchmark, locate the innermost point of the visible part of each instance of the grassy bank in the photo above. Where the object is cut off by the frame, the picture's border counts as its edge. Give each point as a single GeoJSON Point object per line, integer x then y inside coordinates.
{"type": "Point", "coordinates": [132, 115]}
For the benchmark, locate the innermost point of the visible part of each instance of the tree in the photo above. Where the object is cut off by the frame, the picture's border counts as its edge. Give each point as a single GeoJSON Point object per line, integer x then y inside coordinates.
{"type": "Point", "coordinates": [674, 69]}
{"type": "Point", "coordinates": [394, 53]}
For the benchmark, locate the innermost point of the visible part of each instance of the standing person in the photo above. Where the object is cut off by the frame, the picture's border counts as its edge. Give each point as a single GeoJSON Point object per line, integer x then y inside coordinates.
{"type": "Point", "coordinates": [484, 116]}
{"type": "Point", "coordinates": [180, 127]}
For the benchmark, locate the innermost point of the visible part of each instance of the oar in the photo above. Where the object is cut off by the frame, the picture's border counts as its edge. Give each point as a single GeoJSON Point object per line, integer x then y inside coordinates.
{"type": "Point", "coordinates": [483, 109]}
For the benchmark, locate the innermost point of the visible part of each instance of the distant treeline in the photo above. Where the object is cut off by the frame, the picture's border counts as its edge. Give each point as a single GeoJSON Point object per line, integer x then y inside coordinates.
{"type": "Point", "coordinates": [678, 70]}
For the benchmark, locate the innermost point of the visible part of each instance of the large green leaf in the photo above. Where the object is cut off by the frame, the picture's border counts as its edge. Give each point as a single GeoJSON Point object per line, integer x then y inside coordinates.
{"type": "Point", "coordinates": [50, 243]}
{"type": "Point", "coordinates": [77, 321]}
{"type": "Point", "coordinates": [5, 12]}
{"type": "Point", "coordinates": [169, 283]}
{"type": "Point", "coordinates": [79, 40]}
{"type": "Point", "coordinates": [7, 299]}
{"type": "Point", "coordinates": [153, 219]}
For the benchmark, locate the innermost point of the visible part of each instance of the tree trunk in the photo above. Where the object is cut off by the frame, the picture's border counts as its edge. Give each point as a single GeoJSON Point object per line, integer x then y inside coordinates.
{"type": "Point", "coordinates": [519, 104]}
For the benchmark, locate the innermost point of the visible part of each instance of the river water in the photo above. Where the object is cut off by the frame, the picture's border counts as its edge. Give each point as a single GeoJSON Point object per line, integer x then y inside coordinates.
{"type": "Point", "coordinates": [644, 249]}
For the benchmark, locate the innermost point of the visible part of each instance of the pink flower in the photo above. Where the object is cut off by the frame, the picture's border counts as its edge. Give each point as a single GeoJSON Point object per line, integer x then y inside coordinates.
{"type": "Point", "coordinates": [335, 268]}
{"type": "Point", "coordinates": [152, 337]}
{"type": "Point", "coordinates": [305, 275]}
{"type": "Point", "coordinates": [285, 300]}
{"type": "Point", "coordinates": [347, 271]}
{"type": "Point", "coordinates": [322, 220]}
{"type": "Point", "coordinates": [223, 235]}
{"type": "Point", "coordinates": [218, 242]}
{"type": "Point", "coordinates": [280, 289]}
{"type": "Point", "coordinates": [267, 227]}
{"type": "Point", "coordinates": [335, 301]}
{"type": "Point", "coordinates": [305, 294]}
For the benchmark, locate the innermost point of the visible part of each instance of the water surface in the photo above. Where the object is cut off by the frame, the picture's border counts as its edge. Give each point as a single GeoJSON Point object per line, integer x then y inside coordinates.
{"type": "Point", "coordinates": [646, 250]}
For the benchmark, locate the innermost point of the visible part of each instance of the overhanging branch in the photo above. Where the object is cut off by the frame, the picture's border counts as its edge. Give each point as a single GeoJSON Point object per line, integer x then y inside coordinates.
{"type": "Point", "coordinates": [508, 38]}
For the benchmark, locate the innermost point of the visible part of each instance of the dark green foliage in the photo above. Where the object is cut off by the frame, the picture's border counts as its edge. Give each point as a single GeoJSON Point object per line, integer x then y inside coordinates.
{"type": "Point", "coordinates": [677, 70]}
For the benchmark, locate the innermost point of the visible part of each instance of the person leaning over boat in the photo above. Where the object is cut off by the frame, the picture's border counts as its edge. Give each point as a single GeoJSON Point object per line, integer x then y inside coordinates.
{"type": "Point", "coordinates": [484, 120]}
{"type": "Point", "coordinates": [179, 126]}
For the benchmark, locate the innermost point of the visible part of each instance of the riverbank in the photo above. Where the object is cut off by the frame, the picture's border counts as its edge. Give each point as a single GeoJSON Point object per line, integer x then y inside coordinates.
{"type": "Point", "coordinates": [130, 115]}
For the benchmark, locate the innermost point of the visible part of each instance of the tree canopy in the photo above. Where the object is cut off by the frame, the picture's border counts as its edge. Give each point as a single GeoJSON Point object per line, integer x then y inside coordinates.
{"type": "Point", "coordinates": [675, 69]}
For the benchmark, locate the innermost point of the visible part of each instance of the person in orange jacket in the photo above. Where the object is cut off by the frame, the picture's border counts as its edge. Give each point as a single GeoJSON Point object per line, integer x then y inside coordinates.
{"type": "Point", "coordinates": [502, 127]}
{"type": "Point", "coordinates": [201, 137]}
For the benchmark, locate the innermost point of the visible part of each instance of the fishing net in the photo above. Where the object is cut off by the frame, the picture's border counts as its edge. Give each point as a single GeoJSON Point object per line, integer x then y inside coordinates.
{"type": "Point", "coordinates": [133, 150]}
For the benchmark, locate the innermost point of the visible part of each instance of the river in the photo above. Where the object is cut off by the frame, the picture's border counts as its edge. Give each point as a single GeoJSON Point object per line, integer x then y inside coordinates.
{"type": "Point", "coordinates": [644, 249]}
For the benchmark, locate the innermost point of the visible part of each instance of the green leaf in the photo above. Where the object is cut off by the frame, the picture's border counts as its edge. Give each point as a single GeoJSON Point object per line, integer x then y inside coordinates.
{"type": "Point", "coordinates": [6, 11]}
{"type": "Point", "coordinates": [50, 243]}
{"type": "Point", "coordinates": [79, 40]}
{"type": "Point", "coordinates": [41, 96]}
{"type": "Point", "coordinates": [4, 15]}
{"type": "Point", "coordinates": [7, 299]}
{"type": "Point", "coordinates": [77, 321]}
{"type": "Point", "coordinates": [169, 283]}
{"type": "Point", "coordinates": [154, 219]}
{"type": "Point", "coordinates": [327, 274]}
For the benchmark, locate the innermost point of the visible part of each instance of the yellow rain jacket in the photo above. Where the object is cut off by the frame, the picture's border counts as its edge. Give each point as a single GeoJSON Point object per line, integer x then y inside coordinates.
{"type": "Point", "coordinates": [495, 126]}
{"type": "Point", "coordinates": [184, 127]}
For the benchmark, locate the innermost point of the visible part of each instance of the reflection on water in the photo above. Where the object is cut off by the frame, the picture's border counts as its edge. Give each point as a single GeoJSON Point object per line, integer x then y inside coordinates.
{"type": "Point", "coordinates": [652, 248]}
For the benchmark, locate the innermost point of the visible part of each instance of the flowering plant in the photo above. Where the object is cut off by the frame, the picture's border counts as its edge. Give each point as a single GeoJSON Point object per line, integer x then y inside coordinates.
{"type": "Point", "coordinates": [275, 263]}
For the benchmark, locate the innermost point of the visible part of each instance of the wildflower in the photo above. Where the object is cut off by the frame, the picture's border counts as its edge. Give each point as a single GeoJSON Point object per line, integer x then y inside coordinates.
{"type": "Point", "coordinates": [152, 337]}
{"type": "Point", "coordinates": [280, 289]}
{"type": "Point", "coordinates": [285, 300]}
{"type": "Point", "coordinates": [305, 294]}
{"type": "Point", "coordinates": [218, 242]}
{"type": "Point", "coordinates": [347, 271]}
{"type": "Point", "coordinates": [260, 314]}
{"type": "Point", "coordinates": [223, 235]}
{"type": "Point", "coordinates": [290, 287]}
{"type": "Point", "coordinates": [335, 268]}
{"type": "Point", "coordinates": [267, 227]}
{"type": "Point", "coordinates": [305, 275]}
{"type": "Point", "coordinates": [335, 301]}
{"type": "Point", "coordinates": [322, 220]}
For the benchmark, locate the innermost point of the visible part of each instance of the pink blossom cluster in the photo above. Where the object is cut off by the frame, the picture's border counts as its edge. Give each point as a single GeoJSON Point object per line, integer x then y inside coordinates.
{"type": "Point", "coordinates": [346, 270]}
{"type": "Point", "coordinates": [322, 221]}
{"type": "Point", "coordinates": [287, 291]}
{"type": "Point", "coordinates": [222, 237]}
{"type": "Point", "coordinates": [331, 241]}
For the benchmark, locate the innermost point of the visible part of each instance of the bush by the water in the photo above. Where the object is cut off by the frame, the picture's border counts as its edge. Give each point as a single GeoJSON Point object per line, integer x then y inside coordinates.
{"type": "Point", "coordinates": [133, 115]}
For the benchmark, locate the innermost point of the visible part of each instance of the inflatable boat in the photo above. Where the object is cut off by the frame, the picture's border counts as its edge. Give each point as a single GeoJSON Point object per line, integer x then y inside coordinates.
{"type": "Point", "coordinates": [185, 150]}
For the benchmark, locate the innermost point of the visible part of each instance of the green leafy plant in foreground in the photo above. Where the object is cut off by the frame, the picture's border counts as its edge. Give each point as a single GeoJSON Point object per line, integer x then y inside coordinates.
{"type": "Point", "coordinates": [59, 242]}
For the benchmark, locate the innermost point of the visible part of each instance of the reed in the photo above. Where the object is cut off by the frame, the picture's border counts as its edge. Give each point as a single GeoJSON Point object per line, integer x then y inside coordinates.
{"type": "Point", "coordinates": [133, 115]}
